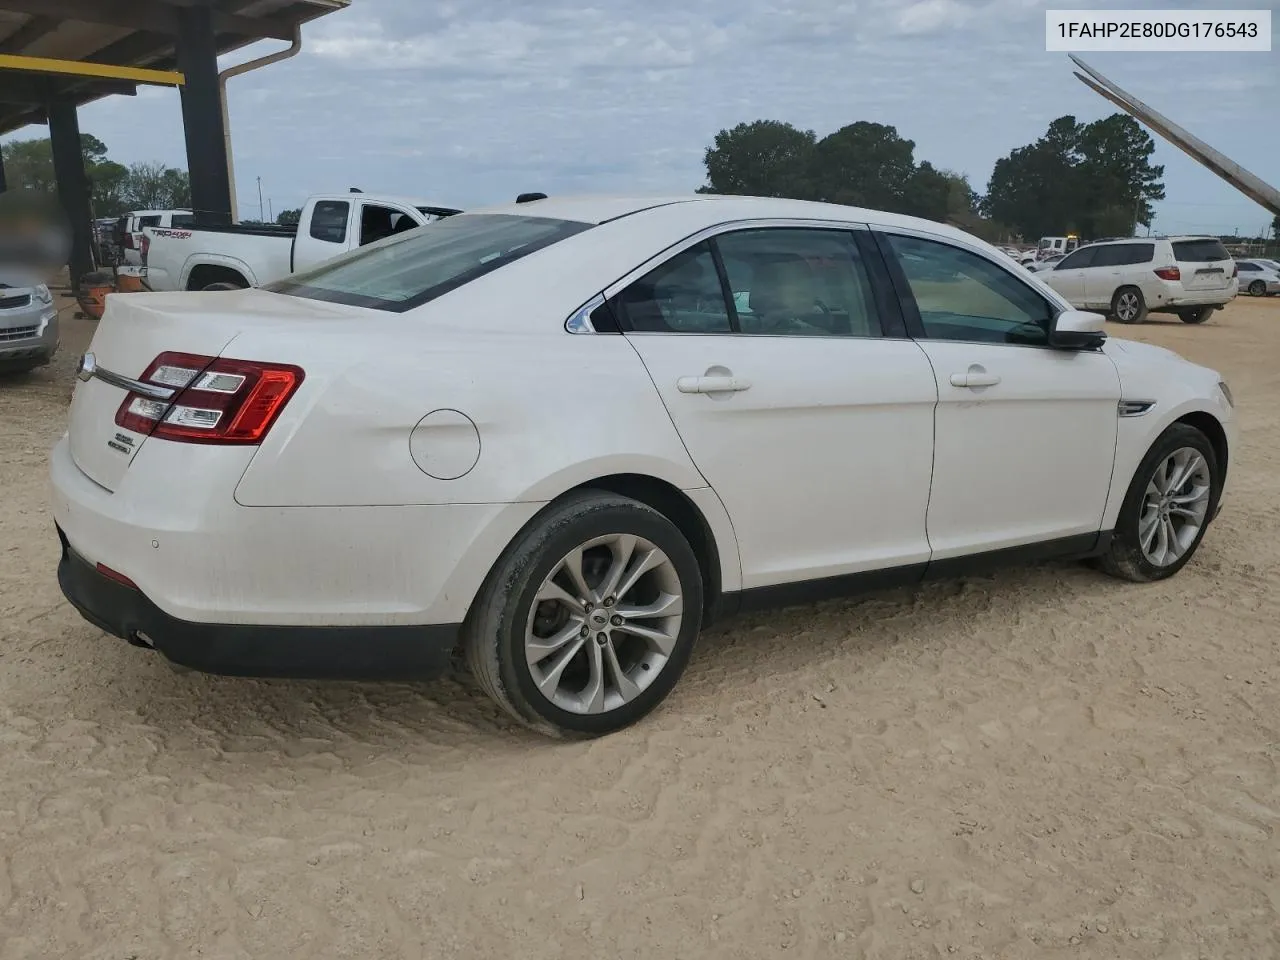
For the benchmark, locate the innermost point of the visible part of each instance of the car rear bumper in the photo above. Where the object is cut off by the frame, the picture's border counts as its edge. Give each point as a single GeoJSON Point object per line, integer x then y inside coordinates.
{"type": "Point", "coordinates": [351, 653]}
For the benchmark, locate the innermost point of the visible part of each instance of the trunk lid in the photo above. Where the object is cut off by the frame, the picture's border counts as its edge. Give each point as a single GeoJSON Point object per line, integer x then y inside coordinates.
{"type": "Point", "coordinates": [1203, 263]}
{"type": "Point", "coordinates": [135, 329]}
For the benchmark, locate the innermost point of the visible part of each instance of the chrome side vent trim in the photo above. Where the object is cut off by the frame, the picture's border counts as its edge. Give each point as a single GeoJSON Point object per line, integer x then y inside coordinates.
{"type": "Point", "coordinates": [580, 322]}
{"type": "Point", "coordinates": [1134, 408]}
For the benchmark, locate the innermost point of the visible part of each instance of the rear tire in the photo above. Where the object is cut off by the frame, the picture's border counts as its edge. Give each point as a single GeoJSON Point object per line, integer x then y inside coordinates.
{"type": "Point", "coordinates": [570, 669]}
{"type": "Point", "coordinates": [225, 285]}
{"type": "Point", "coordinates": [1128, 305]}
{"type": "Point", "coordinates": [1199, 315]}
{"type": "Point", "coordinates": [1152, 500]}
{"type": "Point", "coordinates": [1258, 288]}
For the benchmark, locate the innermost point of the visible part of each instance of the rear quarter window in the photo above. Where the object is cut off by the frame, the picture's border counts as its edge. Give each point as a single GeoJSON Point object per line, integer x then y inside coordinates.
{"type": "Point", "coordinates": [1199, 251]}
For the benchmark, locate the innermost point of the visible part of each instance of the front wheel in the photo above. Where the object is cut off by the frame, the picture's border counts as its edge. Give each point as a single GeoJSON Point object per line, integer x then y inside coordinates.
{"type": "Point", "coordinates": [587, 621]}
{"type": "Point", "coordinates": [1167, 508]}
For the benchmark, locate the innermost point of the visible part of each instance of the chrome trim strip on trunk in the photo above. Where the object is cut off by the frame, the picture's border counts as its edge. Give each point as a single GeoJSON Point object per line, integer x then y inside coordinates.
{"type": "Point", "coordinates": [89, 369]}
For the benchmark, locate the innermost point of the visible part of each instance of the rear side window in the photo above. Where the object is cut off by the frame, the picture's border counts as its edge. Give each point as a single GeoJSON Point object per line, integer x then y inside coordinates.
{"type": "Point", "coordinates": [183, 219]}
{"type": "Point", "coordinates": [683, 295]}
{"type": "Point", "coordinates": [1199, 251]}
{"type": "Point", "coordinates": [1124, 254]}
{"type": "Point", "coordinates": [144, 222]}
{"type": "Point", "coordinates": [329, 221]}
{"type": "Point", "coordinates": [409, 269]}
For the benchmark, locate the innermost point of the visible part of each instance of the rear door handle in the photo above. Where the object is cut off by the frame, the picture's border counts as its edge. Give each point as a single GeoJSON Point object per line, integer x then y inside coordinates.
{"type": "Point", "coordinates": [712, 384]}
{"type": "Point", "coordinates": [975, 376]}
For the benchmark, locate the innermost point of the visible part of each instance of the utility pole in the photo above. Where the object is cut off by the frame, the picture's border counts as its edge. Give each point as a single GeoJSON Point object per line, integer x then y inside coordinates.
{"type": "Point", "coordinates": [271, 217]}
{"type": "Point", "coordinates": [259, 199]}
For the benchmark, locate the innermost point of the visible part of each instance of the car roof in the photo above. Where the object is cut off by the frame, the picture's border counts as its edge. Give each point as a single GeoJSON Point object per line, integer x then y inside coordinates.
{"type": "Point", "coordinates": [414, 202]}
{"type": "Point", "coordinates": [718, 209]}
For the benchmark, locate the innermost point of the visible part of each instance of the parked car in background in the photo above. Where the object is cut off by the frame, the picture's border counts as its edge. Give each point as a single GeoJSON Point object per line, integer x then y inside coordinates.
{"type": "Point", "coordinates": [234, 257]}
{"type": "Point", "coordinates": [1056, 246]}
{"type": "Point", "coordinates": [1259, 278]}
{"type": "Point", "coordinates": [130, 228]}
{"type": "Point", "coordinates": [28, 322]}
{"type": "Point", "coordinates": [1048, 263]}
{"type": "Point", "coordinates": [1187, 276]}
{"type": "Point", "coordinates": [564, 435]}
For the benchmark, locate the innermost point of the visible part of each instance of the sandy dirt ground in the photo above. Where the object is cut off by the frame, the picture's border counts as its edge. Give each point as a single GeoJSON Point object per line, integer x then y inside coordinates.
{"type": "Point", "coordinates": [1044, 763]}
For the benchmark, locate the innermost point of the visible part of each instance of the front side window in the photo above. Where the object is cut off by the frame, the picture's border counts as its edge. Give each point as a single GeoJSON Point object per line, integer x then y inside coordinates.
{"type": "Point", "coordinates": [962, 296]}
{"type": "Point", "coordinates": [409, 269]}
{"type": "Point", "coordinates": [798, 282]}
{"type": "Point", "coordinates": [1081, 258]}
{"type": "Point", "coordinates": [329, 220]}
{"type": "Point", "coordinates": [378, 223]}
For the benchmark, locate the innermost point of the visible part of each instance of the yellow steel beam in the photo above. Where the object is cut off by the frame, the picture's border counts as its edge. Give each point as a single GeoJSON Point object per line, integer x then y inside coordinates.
{"type": "Point", "coordinates": [79, 68]}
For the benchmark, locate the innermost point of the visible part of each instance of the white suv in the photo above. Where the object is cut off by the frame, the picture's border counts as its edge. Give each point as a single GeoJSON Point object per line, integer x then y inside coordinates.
{"type": "Point", "coordinates": [1187, 276]}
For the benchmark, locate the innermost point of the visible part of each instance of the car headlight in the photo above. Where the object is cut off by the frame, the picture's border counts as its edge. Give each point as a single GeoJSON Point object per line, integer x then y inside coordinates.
{"type": "Point", "coordinates": [42, 294]}
{"type": "Point", "coordinates": [1226, 394]}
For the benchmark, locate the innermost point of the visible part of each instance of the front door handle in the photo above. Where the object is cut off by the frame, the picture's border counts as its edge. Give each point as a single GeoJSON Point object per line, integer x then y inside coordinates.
{"type": "Point", "coordinates": [975, 376]}
{"type": "Point", "coordinates": [712, 384]}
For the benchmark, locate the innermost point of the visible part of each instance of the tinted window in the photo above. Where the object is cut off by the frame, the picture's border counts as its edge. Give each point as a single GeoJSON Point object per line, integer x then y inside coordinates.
{"type": "Point", "coordinates": [183, 219]}
{"type": "Point", "coordinates": [329, 220]}
{"type": "Point", "coordinates": [1248, 267]}
{"type": "Point", "coordinates": [1122, 254]}
{"type": "Point", "coordinates": [378, 223]}
{"type": "Point", "coordinates": [788, 282]}
{"type": "Point", "coordinates": [1081, 258]}
{"type": "Point", "coordinates": [962, 296]}
{"type": "Point", "coordinates": [683, 295]}
{"type": "Point", "coordinates": [411, 268]}
{"type": "Point", "coordinates": [144, 222]}
{"type": "Point", "coordinates": [1199, 251]}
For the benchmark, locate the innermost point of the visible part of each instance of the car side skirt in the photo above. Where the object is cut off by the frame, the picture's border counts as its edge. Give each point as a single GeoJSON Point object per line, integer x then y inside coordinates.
{"type": "Point", "coordinates": [800, 592]}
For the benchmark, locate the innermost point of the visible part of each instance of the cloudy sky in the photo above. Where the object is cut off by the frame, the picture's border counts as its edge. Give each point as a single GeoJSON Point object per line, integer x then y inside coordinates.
{"type": "Point", "coordinates": [464, 103]}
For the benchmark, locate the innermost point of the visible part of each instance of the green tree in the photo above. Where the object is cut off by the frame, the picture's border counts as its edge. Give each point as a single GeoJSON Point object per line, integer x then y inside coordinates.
{"type": "Point", "coordinates": [1275, 228]}
{"type": "Point", "coordinates": [289, 218]}
{"type": "Point", "coordinates": [1095, 179]}
{"type": "Point", "coordinates": [153, 186]}
{"type": "Point", "coordinates": [764, 158]}
{"type": "Point", "coordinates": [29, 166]}
{"type": "Point", "coordinates": [867, 165]}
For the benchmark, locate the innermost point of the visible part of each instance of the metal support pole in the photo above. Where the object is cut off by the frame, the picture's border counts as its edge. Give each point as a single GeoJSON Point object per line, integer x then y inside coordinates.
{"type": "Point", "coordinates": [202, 115]}
{"type": "Point", "coordinates": [73, 184]}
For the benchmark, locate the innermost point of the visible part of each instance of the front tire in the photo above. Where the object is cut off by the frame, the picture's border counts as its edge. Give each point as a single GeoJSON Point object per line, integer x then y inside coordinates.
{"type": "Point", "coordinates": [1128, 305]}
{"type": "Point", "coordinates": [588, 619]}
{"type": "Point", "coordinates": [1168, 507]}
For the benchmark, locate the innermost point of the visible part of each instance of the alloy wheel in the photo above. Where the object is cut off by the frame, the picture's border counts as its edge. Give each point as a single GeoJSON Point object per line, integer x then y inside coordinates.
{"type": "Point", "coordinates": [603, 624]}
{"type": "Point", "coordinates": [1127, 306]}
{"type": "Point", "coordinates": [1175, 506]}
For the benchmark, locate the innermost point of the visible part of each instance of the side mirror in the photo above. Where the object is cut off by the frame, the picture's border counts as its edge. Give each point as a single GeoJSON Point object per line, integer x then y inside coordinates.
{"type": "Point", "coordinates": [1078, 330]}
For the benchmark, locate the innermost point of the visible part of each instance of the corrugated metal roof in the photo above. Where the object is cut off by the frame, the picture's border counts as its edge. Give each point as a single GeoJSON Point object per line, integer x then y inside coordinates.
{"type": "Point", "coordinates": [136, 33]}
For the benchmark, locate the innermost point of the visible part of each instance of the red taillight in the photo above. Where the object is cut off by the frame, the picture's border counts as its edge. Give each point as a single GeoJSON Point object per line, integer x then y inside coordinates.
{"type": "Point", "coordinates": [146, 248]}
{"type": "Point", "coordinates": [116, 575]}
{"type": "Point", "coordinates": [1235, 270]}
{"type": "Point", "coordinates": [217, 400]}
{"type": "Point", "coordinates": [128, 241]}
{"type": "Point", "coordinates": [1169, 273]}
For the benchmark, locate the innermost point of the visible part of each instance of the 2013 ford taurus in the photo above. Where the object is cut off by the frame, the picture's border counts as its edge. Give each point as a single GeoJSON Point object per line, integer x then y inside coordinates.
{"type": "Point", "coordinates": [560, 436]}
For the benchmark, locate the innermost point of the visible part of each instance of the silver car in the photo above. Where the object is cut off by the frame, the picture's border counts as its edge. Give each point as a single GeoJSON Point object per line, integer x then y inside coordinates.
{"type": "Point", "coordinates": [28, 323]}
{"type": "Point", "coordinates": [1259, 278]}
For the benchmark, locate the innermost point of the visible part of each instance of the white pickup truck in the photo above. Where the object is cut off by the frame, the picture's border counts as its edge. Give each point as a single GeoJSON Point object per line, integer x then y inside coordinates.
{"type": "Point", "coordinates": [245, 255]}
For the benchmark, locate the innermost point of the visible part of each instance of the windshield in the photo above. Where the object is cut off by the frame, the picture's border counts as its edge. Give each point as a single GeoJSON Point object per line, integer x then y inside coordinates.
{"type": "Point", "coordinates": [409, 269]}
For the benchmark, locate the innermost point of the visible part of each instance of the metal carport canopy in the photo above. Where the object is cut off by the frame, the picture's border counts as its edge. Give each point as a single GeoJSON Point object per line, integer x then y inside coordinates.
{"type": "Point", "coordinates": [121, 33]}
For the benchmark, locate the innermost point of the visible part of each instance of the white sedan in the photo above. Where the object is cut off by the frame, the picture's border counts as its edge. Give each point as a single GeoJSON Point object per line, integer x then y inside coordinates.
{"type": "Point", "coordinates": [559, 437]}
